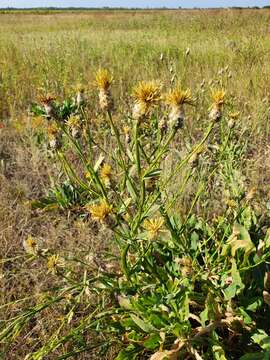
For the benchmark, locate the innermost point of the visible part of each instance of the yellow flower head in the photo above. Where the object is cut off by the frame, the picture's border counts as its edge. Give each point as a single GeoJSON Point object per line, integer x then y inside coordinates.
{"type": "Point", "coordinates": [80, 88]}
{"type": "Point", "coordinates": [103, 79]}
{"type": "Point", "coordinates": [30, 245]}
{"type": "Point", "coordinates": [153, 227]}
{"type": "Point", "coordinates": [106, 173]}
{"type": "Point", "coordinates": [234, 115]}
{"type": "Point", "coordinates": [147, 92]}
{"type": "Point", "coordinates": [178, 97]}
{"type": "Point", "coordinates": [99, 212]}
{"type": "Point", "coordinates": [53, 263]}
{"type": "Point", "coordinates": [146, 95]}
{"type": "Point", "coordinates": [218, 97]}
{"type": "Point", "coordinates": [74, 121]}
{"type": "Point", "coordinates": [126, 130]}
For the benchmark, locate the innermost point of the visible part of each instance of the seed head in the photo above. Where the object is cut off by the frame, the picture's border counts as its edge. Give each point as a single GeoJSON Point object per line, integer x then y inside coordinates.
{"type": "Point", "coordinates": [153, 227]}
{"type": "Point", "coordinates": [99, 212]}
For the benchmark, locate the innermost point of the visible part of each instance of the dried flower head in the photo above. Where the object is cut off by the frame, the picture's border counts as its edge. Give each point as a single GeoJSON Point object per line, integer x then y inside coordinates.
{"type": "Point", "coordinates": [30, 245]}
{"type": "Point", "coordinates": [186, 266]}
{"type": "Point", "coordinates": [106, 174]}
{"type": "Point", "coordinates": [52, 130]}
{"type": "Point", "coordinates": [47, 99]}
{"type": "Point", "coordinates": [47, 102]}
{"type": "Point", "coordinates": [99, 212]}
{"type": "Point", "coordinates": [146, 95]}
{"type": "Point", "coordinates": [54, 136]}
{"type": "Point", "coordinates": [153, 227]}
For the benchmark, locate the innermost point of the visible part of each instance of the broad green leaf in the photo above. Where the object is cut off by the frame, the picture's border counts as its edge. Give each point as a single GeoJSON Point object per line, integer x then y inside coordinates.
{"type": "Point", "coordinates": [153, 342]}
{"type": "Point", "coordinates": [252, 356]}
{"type": "Point", "coordinates": [124, 302]}
{"type": "Point", "coordinates": [145, 326]}
{"type": "Point", "coordinates": [130, 353]}
{"type": "Point", "coordinates": [218, 353]}
{"type": "Point", "coordinates": [240, 239]}
{"type": "Point", "coordinates": [262, 339]}
{"type": "Point", "coordinates": [230, 291]}
{"type": "Point", "coordinates": [236, 276]}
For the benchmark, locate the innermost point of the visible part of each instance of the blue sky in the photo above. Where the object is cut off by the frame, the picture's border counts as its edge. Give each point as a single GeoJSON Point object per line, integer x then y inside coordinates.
{"type": "Point", "coordinates": [131, 3]}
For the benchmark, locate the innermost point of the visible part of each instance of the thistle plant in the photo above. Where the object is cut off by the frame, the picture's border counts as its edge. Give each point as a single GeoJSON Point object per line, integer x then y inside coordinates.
{"type": "Point", "coordinates": [178, 284]}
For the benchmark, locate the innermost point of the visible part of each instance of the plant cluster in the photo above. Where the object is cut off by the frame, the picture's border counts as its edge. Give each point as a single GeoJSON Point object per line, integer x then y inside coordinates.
{"type": "Point", "coordinates": [174, 285]}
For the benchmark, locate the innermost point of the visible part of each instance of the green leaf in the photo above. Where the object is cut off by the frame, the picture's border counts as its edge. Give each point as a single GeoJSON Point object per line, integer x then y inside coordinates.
{"type": "Point", "coordinates": [131, 191]}
{"type": "Point", "coordinates": [262, 339]}
{"type": "Point", "coordinates": [236, 276]}
{"type": "Point", "coordinates": [230, 291]}
{"type": "Point", "coordinates": [130, 353]}
{"type": "Point", "coordinates": [240, 239]}
{"type": "Point", "coordinates": [254, 304]}
{"type": "Point", "coordinates": [152, 174]}
{"type": "Point", "coordinates": [125, 303]}
{"type": "Point", "coordinates": [145, 326]}
{"type": "Point", "coordinates": [152, 342]}
{"type": "Point", "coordinates": [204, 316]}
{"type": "Point", "coordinates": [252, 356]}
{"type": "Point", "coordinates": [218, 353]}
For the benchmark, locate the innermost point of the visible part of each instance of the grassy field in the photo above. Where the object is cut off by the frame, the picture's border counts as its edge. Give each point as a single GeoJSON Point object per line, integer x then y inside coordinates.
{"type": "Point", "coordinates": [40, 54]}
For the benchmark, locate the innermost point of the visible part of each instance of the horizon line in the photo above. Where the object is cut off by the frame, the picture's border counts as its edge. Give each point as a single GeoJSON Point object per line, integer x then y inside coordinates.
{"type": "Point", "coordinates": [129, 7]}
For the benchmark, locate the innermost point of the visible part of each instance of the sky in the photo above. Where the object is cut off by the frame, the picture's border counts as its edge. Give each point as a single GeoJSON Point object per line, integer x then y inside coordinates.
{"type": "Point", "coordinates": [132, 3]}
